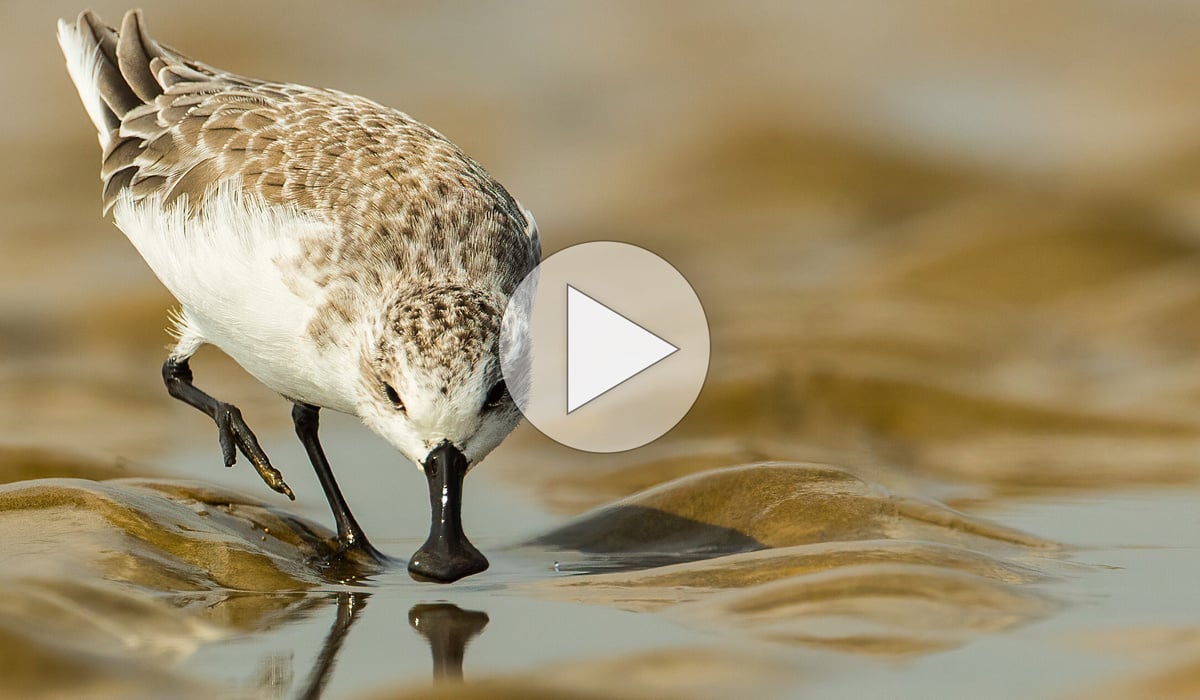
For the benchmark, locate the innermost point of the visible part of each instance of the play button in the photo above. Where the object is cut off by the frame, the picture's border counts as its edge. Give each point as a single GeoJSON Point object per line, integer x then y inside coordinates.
{"type": "Point", "coordinates": [604, 347]}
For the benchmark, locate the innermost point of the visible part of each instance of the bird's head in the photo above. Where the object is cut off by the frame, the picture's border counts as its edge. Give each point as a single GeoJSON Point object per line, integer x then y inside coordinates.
{"type": "Point", "coordinates": [433, 388]}
{"type": "Point", "coordinates": [433, 377]}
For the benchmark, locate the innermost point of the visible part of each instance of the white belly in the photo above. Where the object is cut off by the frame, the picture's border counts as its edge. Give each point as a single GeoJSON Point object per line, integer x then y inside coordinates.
{"type": "Point", "coordinates": [223, 267]}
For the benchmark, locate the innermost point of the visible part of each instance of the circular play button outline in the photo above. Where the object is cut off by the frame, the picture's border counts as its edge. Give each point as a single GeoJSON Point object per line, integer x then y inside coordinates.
{"type": "Point", "coordinates": [605, 346]}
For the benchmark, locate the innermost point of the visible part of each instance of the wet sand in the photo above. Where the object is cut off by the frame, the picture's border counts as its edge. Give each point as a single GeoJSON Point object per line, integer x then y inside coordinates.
{"type": "Point", "coordinates": [949, 441]}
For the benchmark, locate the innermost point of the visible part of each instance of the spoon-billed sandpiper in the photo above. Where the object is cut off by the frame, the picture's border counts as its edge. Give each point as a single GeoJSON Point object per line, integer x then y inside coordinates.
{"type": "Point", "coordinates": [346, 255]}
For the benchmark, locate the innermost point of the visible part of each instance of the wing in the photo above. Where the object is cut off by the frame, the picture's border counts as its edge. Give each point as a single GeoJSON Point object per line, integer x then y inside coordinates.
{"type": "Point", "coordinates": [173, 127]}
{"type": "Point", "coordinates": [147, 102]}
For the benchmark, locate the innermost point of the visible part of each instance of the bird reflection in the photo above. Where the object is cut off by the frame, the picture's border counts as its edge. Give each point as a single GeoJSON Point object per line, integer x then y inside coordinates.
{"type": "Point", "coordinates": [445, 626]}
{"type": "Point", "coordinates": [448, 629]}
{"type": "Point", "coordinates": [349, 605]}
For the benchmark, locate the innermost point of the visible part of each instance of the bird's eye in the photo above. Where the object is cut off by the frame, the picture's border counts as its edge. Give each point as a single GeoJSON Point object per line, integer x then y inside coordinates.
{"type": "Point", "coordinates": [496, 396]}
{"type": "Point", "coordinates": [392, 396]}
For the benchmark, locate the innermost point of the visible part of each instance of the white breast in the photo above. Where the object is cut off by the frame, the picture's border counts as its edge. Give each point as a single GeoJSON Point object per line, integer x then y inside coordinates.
{"type": "Point", "coordinates": [223, 265]}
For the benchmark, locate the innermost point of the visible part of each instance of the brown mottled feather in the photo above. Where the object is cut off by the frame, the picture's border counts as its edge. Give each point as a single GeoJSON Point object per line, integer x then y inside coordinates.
{"type": "Point", "coordinates": [397, 195]}
{"type": "Point", "coordinates": [347, 158]}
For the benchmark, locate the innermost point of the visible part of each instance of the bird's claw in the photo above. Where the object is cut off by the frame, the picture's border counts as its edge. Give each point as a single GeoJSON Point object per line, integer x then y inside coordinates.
{"type": "Point", "coordinates": [235, 435]}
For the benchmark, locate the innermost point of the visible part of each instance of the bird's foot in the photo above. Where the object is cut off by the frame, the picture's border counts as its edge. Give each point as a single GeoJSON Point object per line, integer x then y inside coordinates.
{"type": "Point", "coordinates": [235, 435]}
{"type": "Point", "coordinates": [352, 558]}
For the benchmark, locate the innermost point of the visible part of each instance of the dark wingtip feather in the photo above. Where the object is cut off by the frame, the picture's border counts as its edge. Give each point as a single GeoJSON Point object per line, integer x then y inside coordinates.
{"type": "Point", "coordinates": [83, 24]}
{"type": "Point", "coordinates": [135, 51]}
{"type": "Point", "coordinates": [113, 89]}
{"type": "Point", "coordinates": [114, 185]}
{"type": "Point", "coordinates": [88, 19]}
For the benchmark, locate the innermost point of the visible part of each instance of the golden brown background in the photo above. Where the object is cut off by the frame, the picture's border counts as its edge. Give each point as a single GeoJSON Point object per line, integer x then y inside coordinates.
{"type": "Point", "coordinates": [950, 253]}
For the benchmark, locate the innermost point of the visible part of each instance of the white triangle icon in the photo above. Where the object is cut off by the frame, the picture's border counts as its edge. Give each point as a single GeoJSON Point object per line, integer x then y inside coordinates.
{"type": "Point", "coordinates": [604, 349]}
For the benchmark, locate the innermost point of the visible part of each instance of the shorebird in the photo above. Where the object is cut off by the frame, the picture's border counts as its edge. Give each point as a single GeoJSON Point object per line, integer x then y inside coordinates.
{"type": "Point", "coordinates": [346, 255]}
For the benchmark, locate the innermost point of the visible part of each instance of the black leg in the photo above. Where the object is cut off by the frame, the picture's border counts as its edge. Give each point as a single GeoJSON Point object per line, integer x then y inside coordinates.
{"type": "Point", "coordinates": [350, 534]}
{"type": "Point", "coordinates": [232, 430]}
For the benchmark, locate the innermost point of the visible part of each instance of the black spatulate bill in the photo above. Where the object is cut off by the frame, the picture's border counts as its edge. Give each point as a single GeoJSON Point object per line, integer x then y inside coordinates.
{"type": "Point", "coordinates": [447, 555]}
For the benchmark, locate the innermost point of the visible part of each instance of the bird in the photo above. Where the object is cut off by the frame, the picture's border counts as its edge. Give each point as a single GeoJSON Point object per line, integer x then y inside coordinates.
{"type": "Point", "coordinates": [346, 255]}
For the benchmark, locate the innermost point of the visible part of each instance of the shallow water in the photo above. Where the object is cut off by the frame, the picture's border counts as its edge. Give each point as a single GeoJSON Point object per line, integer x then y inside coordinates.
{"type": "Point", "coordinates": [949, 441]}
{"type": "Point", "coordinates": [924, 598]}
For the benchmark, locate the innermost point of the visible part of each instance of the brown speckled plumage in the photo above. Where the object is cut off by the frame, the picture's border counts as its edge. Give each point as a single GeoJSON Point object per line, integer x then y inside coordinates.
{"type": "Point", "coordinates": [405, 202]}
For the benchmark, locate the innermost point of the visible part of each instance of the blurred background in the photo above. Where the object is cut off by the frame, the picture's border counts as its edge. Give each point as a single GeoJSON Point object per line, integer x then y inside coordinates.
{"type": "Point", "coordinates": [952, 248]}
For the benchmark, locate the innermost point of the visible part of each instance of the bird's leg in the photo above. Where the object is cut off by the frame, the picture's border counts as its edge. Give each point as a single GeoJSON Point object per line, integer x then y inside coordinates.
{"type": "Point", "coordinates": [232, 430]}
{"type": "Point", "coordinates": [350, 534]}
